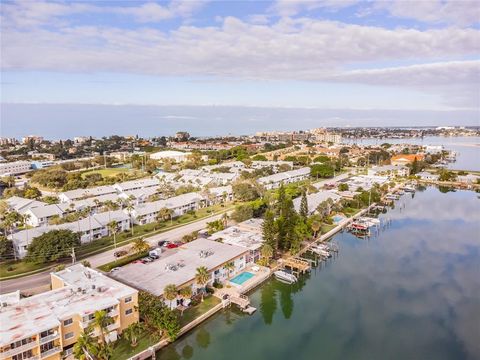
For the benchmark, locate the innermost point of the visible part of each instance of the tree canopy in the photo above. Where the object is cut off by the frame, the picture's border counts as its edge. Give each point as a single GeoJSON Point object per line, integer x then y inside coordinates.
{"type": "Point", "coordinates": [52, 245]}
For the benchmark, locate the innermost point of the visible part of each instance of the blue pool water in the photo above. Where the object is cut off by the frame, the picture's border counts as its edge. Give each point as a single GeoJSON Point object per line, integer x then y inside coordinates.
{"type": "Point", "coordinates": [337, 218]}
{"type": "Point", "coordinates": [241, 278]}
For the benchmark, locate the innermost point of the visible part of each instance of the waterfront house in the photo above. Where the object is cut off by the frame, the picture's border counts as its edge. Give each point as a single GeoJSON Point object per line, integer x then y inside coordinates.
{"type": "Point", "coordinates": [405, 159]}
{"type": "Point", "coordinates": [179, 269]}
{"type": "Point", "coordinates": [247, 234]}
{"type": "Point", "coordinates": [427, 176]}
{"type": "Point", "coordinates": [389, 170]}
{"type": "Point", "coordinates": [315, 199]}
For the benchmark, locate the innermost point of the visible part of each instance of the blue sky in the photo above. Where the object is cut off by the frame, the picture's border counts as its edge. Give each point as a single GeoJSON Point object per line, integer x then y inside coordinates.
{"type": "Point", "coordinates": [347, 55]}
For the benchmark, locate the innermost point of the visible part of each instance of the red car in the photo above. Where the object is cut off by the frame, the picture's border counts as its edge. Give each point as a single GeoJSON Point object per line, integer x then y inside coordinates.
{"type": "Point", "coordinates": [172, 246]}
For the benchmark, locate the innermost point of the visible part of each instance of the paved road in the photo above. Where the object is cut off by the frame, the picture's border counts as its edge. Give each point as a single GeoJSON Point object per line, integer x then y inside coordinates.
{"type": "Point", "coordinates": [320, 184]}
{"type": "Point", "coordinates": [40, 280]}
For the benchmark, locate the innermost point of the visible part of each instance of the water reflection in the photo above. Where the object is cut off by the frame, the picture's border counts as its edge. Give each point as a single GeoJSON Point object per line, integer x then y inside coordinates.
{"type": "Point", "coordinates": [410, 292]}
{"type": "Point", "coordinates": [187, 352]}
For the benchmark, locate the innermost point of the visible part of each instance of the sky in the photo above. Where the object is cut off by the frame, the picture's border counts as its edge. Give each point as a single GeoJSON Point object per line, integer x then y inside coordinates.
{"type": "Point", "coordinates": [216, 67]}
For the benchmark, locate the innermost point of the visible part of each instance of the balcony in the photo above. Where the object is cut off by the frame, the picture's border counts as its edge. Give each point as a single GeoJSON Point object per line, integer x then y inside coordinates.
{"type": "Point", "coordinates": [18, 350]}
{"type": "Point", "coordinates": [113, 313]}
{"type": "Point", "coordinates": [49, 338]}
{"type": "Point", "coordinates": [50, 352]}
{"type": "Point", "coordinates": [113, 327]}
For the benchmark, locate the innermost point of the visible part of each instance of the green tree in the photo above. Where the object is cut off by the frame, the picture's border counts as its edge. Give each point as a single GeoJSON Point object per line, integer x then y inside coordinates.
{"type": "Point", "coordinates": [86, 346]}
{"type": "Point", "coordinates": [170, 293]}
{"type": "Point", "coordinates": [32, 193]}
{"type": "Point", "coordinates": [343, 187]}
{"type": "Point", "coordinates": [316, 226]}
{"type": "Point", "coordinates": [267, 253]}
{"type": "Point", "coordinates": [304, 206]}
{"type": "Point", "coordinates": [245, 191]}
{"type": "Point", "coordinates": [322, 171]}
{"type": "Point", "coordinates": [130, 209]}
{"type": "Point", "coordinates": [6, 248]}
{"type": "Point", "coordinates": [132, 333]}
{"type": "Point", "coordinates": [202, 277]}
{"type": "Point", "coordinates": [214, 226]}
{"type": "Point", "coordinates": [52, 245]}
{"type": "Point", "coordinates": [230, 266]}
{"type": "Point", "coordinates": [140, 245]}
{"type": "Point", "coordinates": [242, 212]}
{"type": "Point", "coordinates": [112, 227]}
{"type": "Point", "coordinates": [269, 230]}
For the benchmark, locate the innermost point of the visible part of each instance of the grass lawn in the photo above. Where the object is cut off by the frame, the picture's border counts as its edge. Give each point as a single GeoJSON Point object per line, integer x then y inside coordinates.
{"type": "Point", "coordinates": [123, 350]}
{"type": "Point", "coordinates": [327, 227]}
{"type": "Point", "coordinates": [195, 311]}
{"type": "Point", "coordinates": [14, 268]}
{"type": "Point", "coordinates": [108, 172]}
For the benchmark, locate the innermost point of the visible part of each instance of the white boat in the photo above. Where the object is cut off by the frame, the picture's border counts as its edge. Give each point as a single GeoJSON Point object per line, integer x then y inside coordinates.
{"type": "Point", "coordinates": [408, 188]}
{"type": "Point", "coordinates": [321, 252]}
{"type": "Point", "coordinates": [369, 221]}
{"type": "Point", "coordinates": [285, 276]}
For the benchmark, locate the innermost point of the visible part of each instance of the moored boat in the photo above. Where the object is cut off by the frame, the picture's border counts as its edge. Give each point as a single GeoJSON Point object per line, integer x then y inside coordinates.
{"type": "Point", "coordinates": [285, 276]}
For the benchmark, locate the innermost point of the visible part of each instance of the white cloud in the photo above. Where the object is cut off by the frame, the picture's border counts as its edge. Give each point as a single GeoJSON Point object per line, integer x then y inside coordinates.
{"type": "Point", "coordinates": [458, 12]}
{"type": "Point", "coordinates": [293, 7]}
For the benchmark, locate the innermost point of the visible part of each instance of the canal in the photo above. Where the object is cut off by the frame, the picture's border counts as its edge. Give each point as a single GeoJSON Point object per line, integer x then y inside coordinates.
{"type": "Point", "coordinates": [411, 291]}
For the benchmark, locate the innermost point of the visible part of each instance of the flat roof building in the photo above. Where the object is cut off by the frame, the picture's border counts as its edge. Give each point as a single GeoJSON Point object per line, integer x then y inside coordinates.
{"type": "Point", "coordinates": [180, 268]}
{"type": "Point", "coordinates": [48, 325]}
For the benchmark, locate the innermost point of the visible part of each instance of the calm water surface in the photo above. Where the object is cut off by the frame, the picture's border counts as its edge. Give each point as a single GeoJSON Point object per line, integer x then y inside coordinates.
{"type": "Point", "coordinates": [410, 292]}
{"type": "Point", "coordinates": [468, 155]}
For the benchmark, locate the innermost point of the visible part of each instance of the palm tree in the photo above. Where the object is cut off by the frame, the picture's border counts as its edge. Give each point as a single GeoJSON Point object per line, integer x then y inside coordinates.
{"type": "Point", "coordinates": [229, 267]}
{"type": "Point", "coordinates": [225, 219]}
{"type": "Point", "coordinates": [140, 245]}
{"type": "Point", "coordinates": [113, 229]}
{"type": "Point", "coordinates": [316, 226]}
{"type": "Point", "coordinates": [267, 253]}
{"type": "Point", "coordinates": [132, 333]}
{"type": "Point", "coordinates": [86, 346]}
{"type": "Point", "coordinates": [202, 277]}
{"type": "Point", "coordinates": [130, 209]}
{"type": "Point", "coordinates": [186, 292]}
{"type": "Point", "coordinates": [101, 320]}
{"type": "Point", "coordinates": [170, 293]}
{"type": "Point", "coordinates": [165, 213]}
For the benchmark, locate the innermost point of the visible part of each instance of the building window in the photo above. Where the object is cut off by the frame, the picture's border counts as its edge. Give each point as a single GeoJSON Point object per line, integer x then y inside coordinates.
{"type": "Point", "coordinates": [128, 311]}
{"type": "Point", "coordinates": [25, 355]}
{"type": "Point", "coordinates": [68, 322]}
{"type": "Point", "coordinates": [68, 335]}
{"type": "Point", "coordinates": [128, 299]}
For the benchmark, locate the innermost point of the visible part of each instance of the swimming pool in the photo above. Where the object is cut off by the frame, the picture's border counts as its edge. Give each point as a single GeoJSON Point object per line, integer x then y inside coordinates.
{"type": "Point", "coordinates": [338, 218]}
{"type": "Point", "coordinates": [241, 278]}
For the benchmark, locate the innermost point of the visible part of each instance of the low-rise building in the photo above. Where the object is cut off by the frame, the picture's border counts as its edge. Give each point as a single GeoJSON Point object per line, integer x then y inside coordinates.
{"type": "Point", "coordinates": [90, 228]}
{"type": "Point", "coordinates": [47, 325]}
{"type": "Point", "coordinates": [427, 176]}
{"type": "Point", "coordinates": [389, 170]}
{"type": "Point", "coordinates": [79, 194]}
{"type": "Point", "coordinates": [315, 199]}
{"type": "Point", "coordinates": [247, 234]}
{"type": "Point", "coordinates": [405, 159]}
{"type": "Point", "coordinates": [287, 177]}
{"type": "Point", "coordinates": [180, 268]}
{"type": "Point", "coordinates": [137, 184]}
{"type": "Point", "coordinates": [15, 167]}
{"type": "Point", "coordinates": [178, 156]}
{"type": "Point", "coordinates": [21, 205]}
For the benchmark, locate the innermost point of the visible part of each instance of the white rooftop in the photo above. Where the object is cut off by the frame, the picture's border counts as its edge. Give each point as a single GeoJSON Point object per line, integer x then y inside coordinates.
{"type": "Point", "coordinates": [247, 234]}
{"type": "Point", "coordinates": [37, 313]}
{"type": "Point", "coordinates": [153, 277]}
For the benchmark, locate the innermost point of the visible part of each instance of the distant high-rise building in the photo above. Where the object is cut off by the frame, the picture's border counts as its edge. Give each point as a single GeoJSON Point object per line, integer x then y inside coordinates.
{"type": "Point", "coordinates": [35, 138]}
{"type": "Point", "coordinates": [7, 141]}
{"type": "Point", "coordinates": [182, 135]}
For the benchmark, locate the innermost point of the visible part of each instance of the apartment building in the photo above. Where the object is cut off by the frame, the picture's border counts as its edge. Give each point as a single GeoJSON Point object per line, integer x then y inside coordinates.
{"type": "Point", "coordinates": [47, 325]}
{"type": "Point", "coordinates": [79, 194]}
{"type": "Point", "coordinates": [287, 177]}
{"type": "Point", "coordinates": [15, 168]}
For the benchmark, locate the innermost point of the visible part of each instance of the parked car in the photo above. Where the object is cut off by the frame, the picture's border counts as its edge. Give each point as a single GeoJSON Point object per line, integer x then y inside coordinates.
{"type": "Point", "coordinates": [155, 253]}
{"type": "Point", "coordinates": [114, 269]}
{"type": "Point", "coordinates": [146, 260]}
{"type": "Point", "coordinates": [162, 242]}
{"type": "Point", "coordinates": [120, 253]}
{"type": "Point", "coordinates": [171, 246]}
